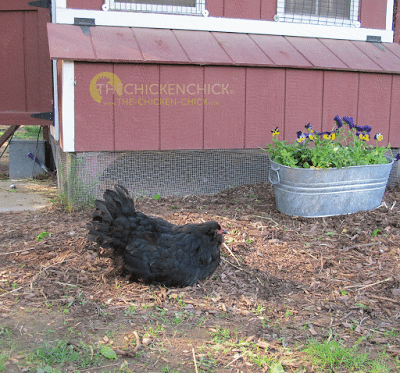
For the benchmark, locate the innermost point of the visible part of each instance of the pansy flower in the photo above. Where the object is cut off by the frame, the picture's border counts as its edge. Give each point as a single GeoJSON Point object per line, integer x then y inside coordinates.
{"type": "Point", "coordinates": [378, 137]}
{"type": "Point", "coordinates": [363, 136]}
{"type": "Point", "coordinates": [310, 136]}
{"type": "Point", "coordinates": [275, 132]}
{"type": "Point", "coordinates": [328, 135]}
{"type": "Point", "coordinates": [301, 137]}
{"type": "Point", "coordinates": [338, 121]}
{"type": "Point", "coordinates": [309, 127]}
{"type": "Point", "coordinates": [349, 121]}
{"type": "Point", "coordinates": [397, 157]}
{"type": "Point", "coordinates": [365, 128]}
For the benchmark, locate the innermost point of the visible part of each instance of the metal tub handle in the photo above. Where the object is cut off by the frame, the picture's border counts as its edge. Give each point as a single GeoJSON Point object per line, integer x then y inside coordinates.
{"type": "Point", "coordinates": [273, 182]}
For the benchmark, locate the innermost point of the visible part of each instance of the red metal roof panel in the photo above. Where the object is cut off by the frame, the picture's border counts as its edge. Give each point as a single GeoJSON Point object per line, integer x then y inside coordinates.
{"type": "Point", "coordinates": [393, 47]}
{"type": "Point", "coordinates": [280, 51]}
{"type": "Point", "coordinates": [160, 45]}
{"type": "Point", "coordinates": [68, 42]}
{"type": "Point", "coordinates": [242, 49]}
{"type": "Point", "coordinates": [116, 44]}
{"type": "Point", "coordinates": [126, 44]}
{"type": "Point", "coordinates": [316, 52]}
{"type": "Point", "coordinates": [380, 55]}
{"type": "Point", "coordinates": [352, 57]}
{"type": "Point", "coordinates": [201, 47]}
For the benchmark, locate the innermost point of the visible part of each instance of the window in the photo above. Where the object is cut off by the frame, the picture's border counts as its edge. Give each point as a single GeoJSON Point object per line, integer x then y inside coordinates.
{"type": "Point", "coordinates": [193, 7]}
{"type": "Point", "coordinates": [322, 12]}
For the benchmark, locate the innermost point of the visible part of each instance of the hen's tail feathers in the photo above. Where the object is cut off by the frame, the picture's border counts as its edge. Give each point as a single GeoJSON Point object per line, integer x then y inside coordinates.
{"type": "Point", "coordinates": [116, 204]}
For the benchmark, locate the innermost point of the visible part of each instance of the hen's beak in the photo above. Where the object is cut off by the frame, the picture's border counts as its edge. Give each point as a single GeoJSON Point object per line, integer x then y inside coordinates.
{"type": "Point", "coordinates": [222, 231]}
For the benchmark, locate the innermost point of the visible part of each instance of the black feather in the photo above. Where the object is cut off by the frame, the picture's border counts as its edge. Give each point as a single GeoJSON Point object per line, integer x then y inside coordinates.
{"type": "Point", "coordinates": [153, 249]}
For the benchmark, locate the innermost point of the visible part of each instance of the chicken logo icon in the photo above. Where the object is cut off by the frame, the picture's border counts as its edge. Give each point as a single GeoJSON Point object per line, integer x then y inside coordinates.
{"type": "Point", "coordinates": [113, 84]}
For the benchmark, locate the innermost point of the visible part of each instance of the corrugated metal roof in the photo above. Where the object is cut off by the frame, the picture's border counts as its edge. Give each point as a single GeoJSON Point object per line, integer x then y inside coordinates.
{"type": "Point", "coordinates": [142, 45]}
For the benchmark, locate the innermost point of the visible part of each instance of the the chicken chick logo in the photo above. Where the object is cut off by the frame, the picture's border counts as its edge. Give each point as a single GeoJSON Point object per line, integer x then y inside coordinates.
{"type": "Point", "coordinates": [114, 82]}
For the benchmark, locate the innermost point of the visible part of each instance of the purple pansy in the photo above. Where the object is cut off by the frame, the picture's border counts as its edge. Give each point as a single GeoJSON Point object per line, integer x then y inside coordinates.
{"type": "Point", "coordinates": [397, 157]}
{"type": "Point", "coordinates": [349, 121]}
{"type": "Point", "coordinates": [365, 128]}
{"type": "Point", "coordinates": [309, 127]}
{"type": "Point", "coordinates": [339, 121]}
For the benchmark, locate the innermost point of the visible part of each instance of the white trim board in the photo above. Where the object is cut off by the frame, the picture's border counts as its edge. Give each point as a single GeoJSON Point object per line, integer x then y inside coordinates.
{"type": "Point", "coordinates": [68, 106]}
{"type": "Point", "coordinates": [196, 23]}
{"type": "Point", "coordinates": [389, 14]}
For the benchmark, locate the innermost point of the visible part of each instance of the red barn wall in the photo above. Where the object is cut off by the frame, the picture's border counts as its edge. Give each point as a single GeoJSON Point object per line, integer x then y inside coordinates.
{"type": "Point", "coordinates": [159, 107]}
{"type": "Point", "coordinates": [372, 12]}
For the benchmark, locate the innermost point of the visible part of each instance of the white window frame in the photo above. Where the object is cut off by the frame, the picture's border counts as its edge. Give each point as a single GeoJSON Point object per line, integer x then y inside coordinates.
{"type": "Point", "coordinates": [199, 9]}
{"type": "Point", "coordinates": [281, 16]}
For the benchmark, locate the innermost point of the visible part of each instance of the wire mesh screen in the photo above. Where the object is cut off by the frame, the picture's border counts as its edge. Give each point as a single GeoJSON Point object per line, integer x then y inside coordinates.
{"type": "Point", "coordinates": [83, 177]}
{"type": "Point", "coordinates": [322, 12]}
{"type": "Point", "coordinates": [193, 7]}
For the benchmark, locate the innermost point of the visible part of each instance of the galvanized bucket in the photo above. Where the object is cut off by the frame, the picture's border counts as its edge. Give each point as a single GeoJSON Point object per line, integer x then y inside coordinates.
{"type": "Point", "coordinates": [313, 193]}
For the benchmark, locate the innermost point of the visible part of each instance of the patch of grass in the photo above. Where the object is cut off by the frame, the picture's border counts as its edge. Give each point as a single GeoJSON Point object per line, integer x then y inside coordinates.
{"type": "Point", "coordinates": [3, 357]}
{"type": "Point", "coordinates": [335, 356]}
{"type": "Point", "coordinates": [62, 353]}
{"type": "Point", "coordinates": [221, 335]}
{"type": "Point", "coordinates": [24, 132]}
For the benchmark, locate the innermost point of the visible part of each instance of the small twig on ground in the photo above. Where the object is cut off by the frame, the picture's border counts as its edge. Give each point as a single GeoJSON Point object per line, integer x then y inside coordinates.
{"type": "Point", "coordinates": [19, 251]}
{"type": "Point", "coordinates": [384, 298]}
{"type": "Point", "coordinates": [230, 251]}
{"type": "Point", "coordinates": [12, 291]}
{"type": "Point", "coordinates": [367, 286]}
{"type": "Point", "coordinates": [194, 360]}
{"type": "Point", "coordinates": [264, 217]}
{"type": "Point", "coordinates": [362, 245]}
{"type": "Point", "coordinates": [64, 283]}
{"type": "Point", "coordinates": [237, 358]}
{"type": "Point", "coordinates": [135, 333]}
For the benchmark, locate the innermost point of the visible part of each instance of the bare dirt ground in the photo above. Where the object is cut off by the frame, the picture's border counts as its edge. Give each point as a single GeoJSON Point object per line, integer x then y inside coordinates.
{"type": "Point", "coordinates": [282, 282]}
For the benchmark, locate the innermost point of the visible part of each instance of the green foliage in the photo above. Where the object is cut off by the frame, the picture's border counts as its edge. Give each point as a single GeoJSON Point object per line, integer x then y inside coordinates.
{"type": "Point", "coordinates": [3, 357]}
{"type": "Point", "coordinates": [333, 354]}
{"type": "Point", "coordinates": [346, 145]}
{"type": "Point", "coordinates": [42, 235]}
{"type": "Point", "coordinates": [61, 353]}
{"type": "Point", "coordinates": [108, 352]}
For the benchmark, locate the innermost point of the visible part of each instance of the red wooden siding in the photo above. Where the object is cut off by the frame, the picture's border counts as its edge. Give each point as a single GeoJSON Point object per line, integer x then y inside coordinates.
{"type": "Point", "coordinates": [340, 97]}
{"type": "Point", "coordinates": [224, 114]}
{"type": "Point", "coordinates": [265, 104]}
{"type": "Point", "coordinates": [372, 13]}
{"type": "Point", "coordinates": [181, 115]}
{"type": "Point", "coordinates": [215, 8]}
{"type": "Point", "coordinates": [25, 67]}
{"type": "Point", "coordinates": [137, 114]}
{"type": "Point", "coordinates": [303, 101]}
{"type": "Point", "coordinates": [86, 4]}
{"type": "Point", "coordinates": [394, 124]}
{"type": "Point", "coordinates": [247, 9]}
{"type": "Point", "coordinates": [375, 93]}
{"type": "Point", "coordinates": [222, 107]}
{"type": "Point", "coordinates": [92, 120]}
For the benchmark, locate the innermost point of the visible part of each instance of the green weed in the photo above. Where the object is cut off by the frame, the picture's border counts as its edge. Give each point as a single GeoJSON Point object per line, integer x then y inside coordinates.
{"type": "Point", "coordinates": [334, 355]}
{"type": "Point", "coordinates": [62, 353]}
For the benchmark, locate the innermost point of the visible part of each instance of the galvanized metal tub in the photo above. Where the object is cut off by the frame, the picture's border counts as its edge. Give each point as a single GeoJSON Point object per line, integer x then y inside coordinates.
{"type": "Point", "coordinates": [313, 193]}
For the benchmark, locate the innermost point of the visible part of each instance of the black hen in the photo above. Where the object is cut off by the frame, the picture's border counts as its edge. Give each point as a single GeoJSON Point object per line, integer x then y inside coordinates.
{"type": "Point", "coordinates": [153, 249]}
